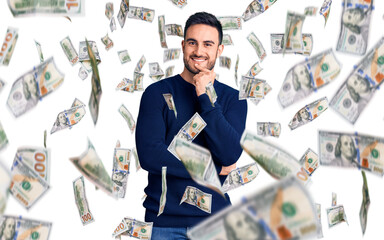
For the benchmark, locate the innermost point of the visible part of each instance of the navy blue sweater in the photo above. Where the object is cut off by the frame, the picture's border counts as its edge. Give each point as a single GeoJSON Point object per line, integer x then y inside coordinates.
{"type": "Point", "coordinates": [156, 127]}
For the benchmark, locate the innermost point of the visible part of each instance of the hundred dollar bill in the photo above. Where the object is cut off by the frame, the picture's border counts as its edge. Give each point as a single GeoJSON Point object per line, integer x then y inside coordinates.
{"type": "Point", "coordinates": [34, 85]}
{"type": "Point", "coordinates": [126, 85]}
{"type": "Point", "coordinates": [275, 161]}
{"type": "Point", "coordinates": [69, 50]}
{"type": "Point", "coordinates": [195, 197]}
{"type": "Point", "coordinates": [81, 201]}
{"type": "Point", "coordinates": [141, 13]}
{"type": "Point", "coordinates": [107, 42]}
{"type": "Point", "coordinates": [227, 40]}
{"type": "Point", "coordinates": [325, 10]}
{"type": "Point", "coordinates": [41, 7]}
{"type": "Point", "coordinates": [236, 68]}
{"type": "Point", "coordinates": [254, 70]}
{"type": "Point", "coordinates": [161, 23]}
{"type": "Point", "coordinates": [336, 215]}
{"type": "Point", "coordinates": [171, 54]}
{"type": "Point", "coordinates": [26, 184]}
{"type": "Point", "coordinates": [199, 164]}
{"type": "Point", "coordinates": [124, 56]}
{"type": "Point", "coordinates": [36, 158]}
{"type": "Point", "coordinates": [267, 89]}
{"type": "Point", "coordinates": [17, 227]}
{"type": "Point", "coordinates": [8, 46]}
{"type": "Point", "coordinates": [39, 51]}
{"type": "Point", "coordinates": [189, 131]}
{"type": "Point", "coordinates": [268, 129]}
{"type": "Point", "coordinates": [308, 76]}
{"type": "Point", "coordinates": [170, 102]}
{"type": "Point", "coordinates": [365, 204]}
{"type": "Point", "coordinates": [120, 171]}
{"type": "Point", "coordinates": [3, 137]}
{"type": "Point", "coordinates": [320, 228]}
{"type": "Point", "coordinates": [277, 44]}
{"type": "Point", "coordinates": [211, 92]}
{"type": "Point", "coordinates": [138, 81]}
{"type": "Point", "coordinates": [112, 24]}
{"type": "Point", "coordinates": [252, 88]}
{"type": "Point", "coordinates": [309, 113]}
{"type": "Point", "coordinates": [240, 176]}
{"type": "Point", "coordinates": [256, 8]}
{"type": "Point", "coordinates": [174, 30]}
{"type": "Point", "coordinates": [179, 3]}
{"type": "Point", "coordinates": [293, 40]}
{"type": "Point", "coordinates": [310, 11]}
{"type": "Point", "coordinates": [83, 73]}
{"type": "Point", "coordinates": [134, 228]}
{"type": "Point", "coordinates": [140, 64]}
{"type": "Point", "coordinates": [352, 151]}
{"type": "Point", "coordinates": [225, 62]}
{"type": "Point", "coordinates": [355, 23]}
{"type": "Point", "coordinates": [5, 180]}
{"type": "Point", "coordinates": [128, 117]}
{"type": "Point", "coordinates": [155, 72]}
{"type": "Point", "coordinates": [91, 167]}
{"type": "Point", "coordinates": [109, 10]}
{"type": "Point", "coordinates": [84, 57]}
{"type": "Point", "coordinates": [163, 197]}
{"type": "Point", "coordinates": [334, 199]}
{"type": "Point", "coordinates": [356, 92]}
{"type": "Point", "coordinates": [70, 117]}
{"type": "Point", "coordinates": [284, 210]}
{"type": "Point", "coordinates": [169, 71]}
{"type": "Point", "coordinates": [230, 23]}
{"type": "Point", "coordinates": [122, 15]}
{"type": "Point", "coordinates": [256, 44]}
{"type": "Point", "coordinates": [137, 162]}
{"type": "Point", "coordinates": [310, 161]}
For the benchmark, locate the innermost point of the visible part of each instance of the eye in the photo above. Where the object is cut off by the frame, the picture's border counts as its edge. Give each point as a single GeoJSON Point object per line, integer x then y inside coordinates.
{"type": "Point", "coordinates": [208, 44]}
{"type": "Point", "coordinates": [191, 43]}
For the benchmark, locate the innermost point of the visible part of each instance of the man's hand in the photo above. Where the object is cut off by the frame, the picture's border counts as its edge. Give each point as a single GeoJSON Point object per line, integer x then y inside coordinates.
{"type": "Point", "coordinates": [226, 170]}
{"type": "Point", "coordinates": [202, 79]}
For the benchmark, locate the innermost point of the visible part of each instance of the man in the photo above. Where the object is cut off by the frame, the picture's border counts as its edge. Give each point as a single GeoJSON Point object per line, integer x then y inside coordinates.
{"type": "Point", "coordinates": [353, 19]}
{"type": "Point", "coordinates": [157, 126]}
{"type": "Point", "coordinates": [234, 178]}
{"type": "Point", "coordinates": [345, 152]}
{"type": "Point", "coordinates": [7, 229]}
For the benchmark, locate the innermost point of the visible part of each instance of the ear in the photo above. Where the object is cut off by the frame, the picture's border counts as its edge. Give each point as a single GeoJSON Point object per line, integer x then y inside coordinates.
{"type": "Point", "coordinates": [220, 50]}
{"type": "Point", "coordinates": [182, 45]}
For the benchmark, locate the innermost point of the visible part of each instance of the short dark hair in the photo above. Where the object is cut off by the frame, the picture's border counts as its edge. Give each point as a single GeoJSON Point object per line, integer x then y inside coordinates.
{"type": "Point", "coordinates": [204, 18]}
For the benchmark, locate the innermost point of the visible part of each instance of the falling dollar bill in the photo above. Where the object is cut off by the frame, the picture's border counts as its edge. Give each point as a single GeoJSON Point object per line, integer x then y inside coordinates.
{"type": "Point", "coordinates": [8, 46]}
{"type": "Point", "coordinates": [161, 25]}
{"type": "Point", "coordinates": [252, 88]}
{"type": "Point", "coordinates": [134, 228]}
{"type": "Point", "coordinates": [189, 131]}
{"type": "Point", "coordinates": [3, 137]}
{"type": "Point", "coordinates": [365, 204]}
{"type": "Point", "coordinates": [240, 176]}
{"type": "Point", "coordinates": [254, 70]}
{"type": "Point", "coordinates": [83, 73]}
{"type": "Point", "coordinates": [199, 164]}
{"type": "Point", "coordinates": [24, 228]}
{"type": "Point", "coordinates": [84, 56]}
{"type": "Point", "coordinates": [325, 10]}
{"type": "Point", "coordinates": [256, 44]}
{"type": "Point", "coordinates": [277, 44]}
{"type": "Point", "coordinates": [170, 102]}
{"type": "Point", "coordinates": [122, 15]}
{"type": "Point", "coordinates": [310, 11]}
{"type": "Point", "coordinates": [256, 8]}
{"type": "Point", "coordinates": [124, 56]}
{"type": "Point", "coordinates": [275, 161]}
{"type": "Point", "coordinates": [112, 24]}
{"type": "Point", "coordinates": [230, 23]}
{"type": "Point", "coordinates": [138, 81]}
{"type": "Point", "coordinates": [310, 161]}
{"type": "Point", "coordinates": [163, 197]}
{"type": "Point", "coordinates": [309, 113]}
{"type": "Point", "coordinates": [169, 71]}
{"type": "Point", "coordinates": [336, 215]}
{"type": "Point", "coordinates": [360, 86]}
{"type": "Point", "coordinates": [227, 40]}
{"type": "Point", "coordinates": [141, 13]}
{"type": "Point", "coordinates": [126, 85]}
{"type": "Point", "coordinates": [293, 40]}
{"type": "Point", "coordinates": [140, 64]}
{"type": "Point", "coordinates": [81, 201]}
{"type": "Point", "coordinates": [5, 180]}
{"type": "Point", "coordinates": [137, 162]}
{"type": "Point", "coordinates": [308, 76]}
{"type": "Point", "coordinates": [350, 150]}
{"type": "Point", "coordinates": [120, 171]}
{"type": "Point", "coordinates": [171, 54]}
{"type": "Point", "coordinates": [26, 184]}
{"type": "Point", "coordinates": [40, 7]}
{"type": "Point", "coordinates": [179, 3]}
{"type": "Point", "coordinates": [334, 199]}
{"type": "Point", "coordinates": [211, 92]}
{"type": "Point", "coordinates": [34, 85]}
{"type": "Point", "coordinates": [69, 50]}
{"type": "Point", "coordinates": [107, 42]}
{"type": "Point", "coordinates": [320, 228]}
{"type": "Point", "coordinates": [109, 10]}
{"type": "Point", "coordinates": [91, 167]}
{"type": "Point", "coordinates": [355, 23]}
{"type": "Point", "coordinates": [225, 62]}
{"type": "Point", "coordinates": [267, 89]}
{"type": "Point", "coordinates": [128, 117]}
{"type": "Point", "coordinates": [284, 210]}
{"type": "Point", "coordinates": [70, 117]}
{"type": "Point", "coordinates": [174, 30]}
{"type": "Point", "coordinates": [268, 129]}
{"type": "Point", "coordinates": [236, 68]}
{"type": "Point", "coordinates": [155, 71]}
{"type": "Point", "coordinates": [36, 158]}
{"type": "Point", "coordinates": [39, 51]}
{"type": "Point", "coordinates": [197, 198]}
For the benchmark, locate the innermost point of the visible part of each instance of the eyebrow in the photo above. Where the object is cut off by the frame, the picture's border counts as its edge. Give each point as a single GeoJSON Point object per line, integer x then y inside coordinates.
{"type": "Point", "coordinates": [194, 40]}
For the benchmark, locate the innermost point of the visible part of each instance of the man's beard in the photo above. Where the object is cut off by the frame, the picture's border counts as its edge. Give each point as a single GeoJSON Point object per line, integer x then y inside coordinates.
{"type": "Point", "coordinates": [210, 66]}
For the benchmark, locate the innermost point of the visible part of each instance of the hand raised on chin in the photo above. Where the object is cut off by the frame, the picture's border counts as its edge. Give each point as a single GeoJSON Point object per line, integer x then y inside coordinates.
{"type": "Point", "coordinates": [201, 79]}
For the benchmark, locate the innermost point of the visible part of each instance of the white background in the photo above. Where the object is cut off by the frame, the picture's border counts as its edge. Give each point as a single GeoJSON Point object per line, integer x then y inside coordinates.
{"type": "Point", "coordinates": [139, 37]}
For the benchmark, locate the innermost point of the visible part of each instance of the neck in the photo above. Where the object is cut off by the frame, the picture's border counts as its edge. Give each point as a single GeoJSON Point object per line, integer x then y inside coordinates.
{"type": "Point", "coordinates": [188, 76]}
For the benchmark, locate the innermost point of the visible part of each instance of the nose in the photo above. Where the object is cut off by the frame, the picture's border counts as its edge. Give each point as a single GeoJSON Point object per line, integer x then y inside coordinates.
{"type": "Point", "coordinates": [198, 50]}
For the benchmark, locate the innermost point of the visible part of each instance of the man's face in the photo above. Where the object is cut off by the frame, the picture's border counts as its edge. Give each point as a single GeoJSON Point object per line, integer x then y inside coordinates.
{"type": "Point", "coordinates": [358, 83]}
{"type": "Point", "coordinates": [302, 77]}
{"type": "Point", "coordinates": [191, 194]}
{"type": "Point", "coordinates": [31, 83]}
{"type": "Point", "coordinates": [304, 114]}
{"type": "Point", "coordinates": [62, 119]}
{"type": "Point", "coordinates": [353, 17]}
{"type": "Point", "coordinates": [347, 147]}
{"type": "Point", "coordinates": [201, 46]}
{"type": "Point", "coordinates": [242, 228]}
{"type": "Point", "coordinates": [235, 177]}
{"type": "Point", "coordinates": [9, 229]}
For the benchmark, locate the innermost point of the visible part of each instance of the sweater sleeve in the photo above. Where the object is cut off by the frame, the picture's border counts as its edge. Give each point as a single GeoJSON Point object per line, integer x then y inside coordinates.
{"type": "Point", "coordinates": [150, 137]}
{"type": "Point", "coordinates": [223, 131]}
